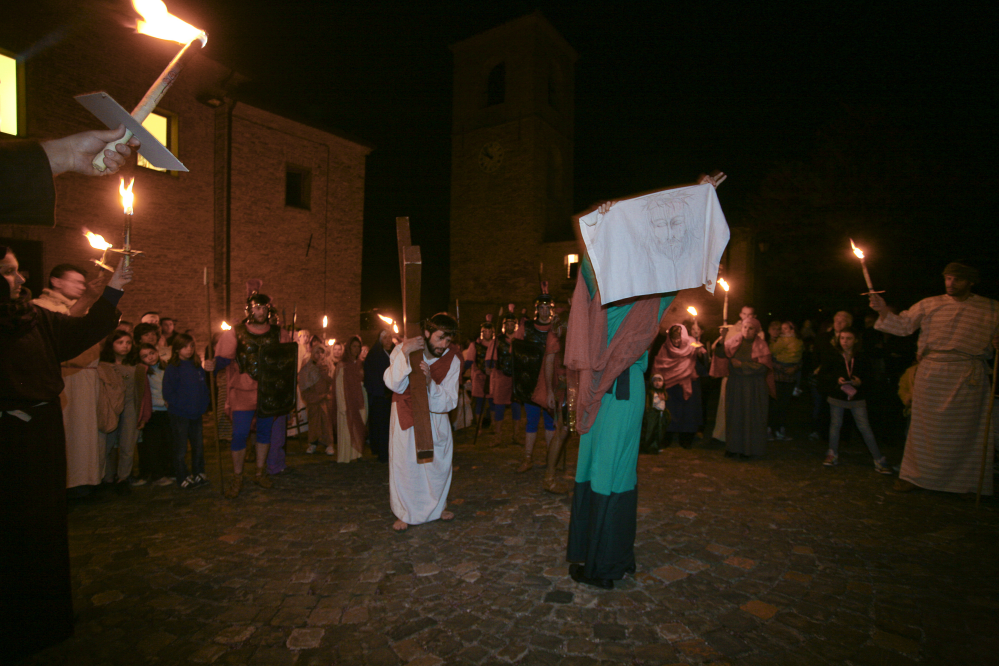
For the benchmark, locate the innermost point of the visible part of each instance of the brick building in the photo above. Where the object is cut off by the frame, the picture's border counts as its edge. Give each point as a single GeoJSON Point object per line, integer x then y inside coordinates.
{"type": "Point", "coordinates": [266, 197]}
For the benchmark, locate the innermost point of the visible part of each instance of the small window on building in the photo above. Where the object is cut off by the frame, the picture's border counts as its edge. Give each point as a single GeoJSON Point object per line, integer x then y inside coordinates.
{"type": "Point", "coordinates": [571, 266]}
{"type": "Point", "coordinates": [11, 95]}
{"type": "Point", "coordinates": [162, 125]}
{"type": "Point", "coordinates": [496, 85]}
{"type": "Point", "coordinates": [297, 187]}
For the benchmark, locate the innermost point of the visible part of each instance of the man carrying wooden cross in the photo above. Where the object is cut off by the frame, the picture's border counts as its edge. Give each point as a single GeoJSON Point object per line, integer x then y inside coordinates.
{"type": "Point", "coordinates": [420, 452]}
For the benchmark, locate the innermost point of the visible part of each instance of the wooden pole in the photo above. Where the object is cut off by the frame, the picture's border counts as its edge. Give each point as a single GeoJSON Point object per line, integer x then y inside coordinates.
{"type": "Point", "coordinates": [211, 382]}
{"type": "Point", "coordinates": [988, 431]}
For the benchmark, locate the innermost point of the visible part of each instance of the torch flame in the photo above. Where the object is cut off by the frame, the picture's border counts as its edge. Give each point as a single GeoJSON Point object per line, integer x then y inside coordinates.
{"type": "Point", "coordinates": [856, 250]}
{"type": "Point", "coordinates": [126, 195]}
{"type": "Point", "coordinates": [692, 310]}
{"type": "Point", "coordinates": [723, 283]}
{"type": "Point", "coordinates": [162, 24]}
{"type": "Point", "coordinates": [387, 320]}
{"type": "Point", "coordinates": [97, 241]}
{"type": "Point", "coordinates": [331, 342]}
{"type": "Point", "coordinates": [226, 327]}
{"type": "Point", "coordinates": [395, 328]}
{"type": "Point", "coordinates": [325, 321]}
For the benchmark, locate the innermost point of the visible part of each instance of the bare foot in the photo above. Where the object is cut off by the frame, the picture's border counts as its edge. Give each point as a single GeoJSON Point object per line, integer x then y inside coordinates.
{"type": "Point", "coordinates": [447, 515]}
{"type": "Point", "coordinates": [400, 526]}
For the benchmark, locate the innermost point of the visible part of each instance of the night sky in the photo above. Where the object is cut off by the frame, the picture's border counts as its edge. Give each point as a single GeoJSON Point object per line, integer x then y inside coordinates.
{"type": "Point", "coordinates": [832, 119]}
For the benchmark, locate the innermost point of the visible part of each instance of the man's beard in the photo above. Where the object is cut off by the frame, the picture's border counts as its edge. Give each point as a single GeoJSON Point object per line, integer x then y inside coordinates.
{"type": "Point", "coordinates": [430, 348]}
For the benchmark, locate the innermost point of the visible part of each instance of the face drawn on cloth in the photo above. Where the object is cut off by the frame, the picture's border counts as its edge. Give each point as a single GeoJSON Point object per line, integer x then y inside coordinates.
{"type": "Point", "coordinates": [674, 241]}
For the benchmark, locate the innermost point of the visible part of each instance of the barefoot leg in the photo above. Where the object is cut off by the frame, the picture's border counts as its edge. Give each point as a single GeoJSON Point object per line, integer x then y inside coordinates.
{"type": "Point", "coordinates": [400, 526]}
{"type": "Point", "coordinates": [447, 515]}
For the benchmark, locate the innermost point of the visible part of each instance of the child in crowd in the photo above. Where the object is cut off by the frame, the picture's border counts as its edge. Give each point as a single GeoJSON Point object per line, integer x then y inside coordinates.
{"type": "Point", "coordinates": [185, 389]}
{"type": "Point", "coordinates": [118, 357]}
{"type": "Point", "coordinates": [845, 381]}
{"type": "Point", "coordinates": [656, 418]}
{"type": "Point", "coordinates": [317, 392]}
{"type": "Point", "coordinates": [787, 350]}
{"type": "Point", "coordinates": [156, 445]}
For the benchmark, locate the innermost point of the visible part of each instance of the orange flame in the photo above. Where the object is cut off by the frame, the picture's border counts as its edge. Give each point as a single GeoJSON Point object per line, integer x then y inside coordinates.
{"type": "Point", "coordinates": [395, 328]}
{"type": "Point", "coordinates": [723, 283]}
{"type": "Point", "coordinates": [692, 310]}
{"type": "Point", "coordinates": [97, 241]}
{"type": "Point", "coordinates": [325, 321]}
{"type": "Point", "coordinates": [162, 24]}
{"type": "Point", "coordinates": [387, 320]}
{"type": "Point", "coordinates": [126, 195]}
{"type": "Point", "coordinates": [856, 250]}
{"type": "Point", "coordinates": [226, 327]}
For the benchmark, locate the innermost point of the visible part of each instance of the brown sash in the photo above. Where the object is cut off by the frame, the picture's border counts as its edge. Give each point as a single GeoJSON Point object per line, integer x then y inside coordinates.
{"type": "Point", "coordinates": [413, 405]}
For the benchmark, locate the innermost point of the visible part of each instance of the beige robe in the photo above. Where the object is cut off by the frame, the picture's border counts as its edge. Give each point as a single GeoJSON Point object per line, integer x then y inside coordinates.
{"type": "Point", "coordinates": [84, 443]}
{"type": "Point", "coordinates": [950, 397]}
{"type": "Point", "coordinates": [345, 452]}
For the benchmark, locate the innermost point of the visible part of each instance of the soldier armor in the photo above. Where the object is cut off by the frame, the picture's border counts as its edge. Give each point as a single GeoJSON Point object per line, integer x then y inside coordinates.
{"type": "Point", "coordinates": [248, 348]}
{"type": "Point", "coordinates": [480, 356]}
{"type": "Point", "coordinates": [504, 356]}
{"type": "Point", "coordinates": [528, 357]}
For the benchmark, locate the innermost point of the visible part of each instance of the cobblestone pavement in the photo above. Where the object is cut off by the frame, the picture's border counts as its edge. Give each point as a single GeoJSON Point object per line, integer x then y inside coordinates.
{"type": "Point", "coordinates": [775, 561]}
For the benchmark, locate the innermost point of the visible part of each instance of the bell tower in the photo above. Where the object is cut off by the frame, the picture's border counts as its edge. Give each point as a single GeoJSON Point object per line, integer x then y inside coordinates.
{"type": "Point", "coordinates": [511, 163]}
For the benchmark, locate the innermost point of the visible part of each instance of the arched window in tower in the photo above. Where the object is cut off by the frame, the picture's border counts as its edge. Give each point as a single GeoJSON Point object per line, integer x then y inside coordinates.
{"type": "Point", "coordinates": [554, 174]}
{"type": "Point", "coordinates": [554, 85]}
{"type": "Point", "coordinates": [496, 85]}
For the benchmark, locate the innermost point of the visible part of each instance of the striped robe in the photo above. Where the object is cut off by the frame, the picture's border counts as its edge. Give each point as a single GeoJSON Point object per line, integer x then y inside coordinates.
{"type": "Point", "coordinates": [950, 398]}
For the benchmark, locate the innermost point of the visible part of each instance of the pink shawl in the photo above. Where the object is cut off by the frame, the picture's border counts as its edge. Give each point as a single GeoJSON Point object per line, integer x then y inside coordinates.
{"type": "Point", "coordinates": [588, 354]}
{"type": "Point", "coordinates": [760, 354]}
{"type": "Point", "coordinates": [677, 365]}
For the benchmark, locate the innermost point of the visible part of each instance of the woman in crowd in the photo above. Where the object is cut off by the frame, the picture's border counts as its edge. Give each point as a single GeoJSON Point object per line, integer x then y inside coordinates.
{"type": "Point", "coordinates": [786, 350]}
{"type": "Point", "coordinates": [119, 356]}
{"type": "Point", "coordinates": [750, 386]}
{"type": "Point", "coordinates": [844, 382]}
{"type": "Point", "coordinates": [185, 388]}
{"type": "Point", "coordinates": [155, 449]}
{"type": "Point", "coordinates": [351, 403]}
{"type": "Point", "coordinates": [678, 362]}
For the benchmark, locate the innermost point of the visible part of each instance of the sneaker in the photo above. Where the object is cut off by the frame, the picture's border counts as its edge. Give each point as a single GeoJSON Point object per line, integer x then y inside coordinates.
{"type": "Point", "coordinates": [202, 479]}
{"type": "Point", "coordinates": [263, 480]}
{"type": "Point", "coordinates": [136, 481]}
{"type": "Point", "coordinates": [165, 481]}
{"type": "Point", "coordinates": [831, 460]}
{"type": "Point", "coordinates": [882, 466]}
{"type": "Point", "coordinates": [189, 482]}
{"type": "Point", "coordinates": [311, 448]}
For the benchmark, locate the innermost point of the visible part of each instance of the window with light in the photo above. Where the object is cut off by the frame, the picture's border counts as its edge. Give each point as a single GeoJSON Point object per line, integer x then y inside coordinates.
{"type": "Point", "coordinates": [571, 265]}
{"type": "Point", "coordinates": [9, 99]}
{"type": "Point", "coordinates": [159, 126]}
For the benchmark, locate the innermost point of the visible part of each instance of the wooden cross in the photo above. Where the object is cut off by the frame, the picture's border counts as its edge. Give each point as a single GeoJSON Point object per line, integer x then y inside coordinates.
{"type": "Point", "coordinates": [410, 266]}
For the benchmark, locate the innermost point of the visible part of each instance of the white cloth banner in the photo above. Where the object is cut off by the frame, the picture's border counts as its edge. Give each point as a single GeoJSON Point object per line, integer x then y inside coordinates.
{"type": "Point", "coordinates": [657, 243]}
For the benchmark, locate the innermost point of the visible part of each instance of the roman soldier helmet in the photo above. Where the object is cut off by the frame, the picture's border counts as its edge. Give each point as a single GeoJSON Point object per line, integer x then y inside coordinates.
{"type": "Point", "coordinates": [488, 323]}
{"type": "Point", "coordinates": [544, 298]}
{"type": "Point", "coordinates": [254, 297]}
{"type": "Point", "coordinates": [509, 316]}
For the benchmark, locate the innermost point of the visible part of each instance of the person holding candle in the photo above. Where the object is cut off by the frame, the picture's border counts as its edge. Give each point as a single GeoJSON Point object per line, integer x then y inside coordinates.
{"type": "Point", "coordinates": [958, 332]}
{"type": "Point", "coordinates": [720, 371]}
{"type": "Point", "coordinates": [36, 601]}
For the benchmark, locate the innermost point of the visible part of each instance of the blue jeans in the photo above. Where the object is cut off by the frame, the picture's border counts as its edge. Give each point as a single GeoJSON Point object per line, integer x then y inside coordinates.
{"type": "Point", "coordinates": [183, 430]}
{"type": "Point", "coordinates": [859, 410]}
{"type": "Point", "coordinates": [534, 417]}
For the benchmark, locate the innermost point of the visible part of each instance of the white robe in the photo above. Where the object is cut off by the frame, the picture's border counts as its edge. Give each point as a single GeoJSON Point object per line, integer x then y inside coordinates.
{"type": "Point", "coordinates": [418, 492]}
